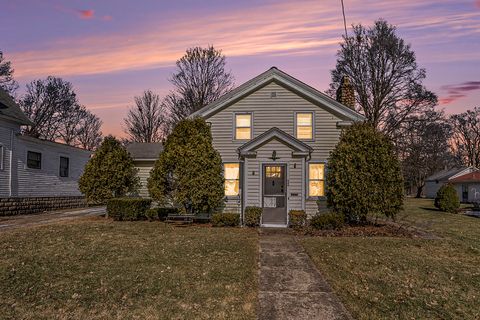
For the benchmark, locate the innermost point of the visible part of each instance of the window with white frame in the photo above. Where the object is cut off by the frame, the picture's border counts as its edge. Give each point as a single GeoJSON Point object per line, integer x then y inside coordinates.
{"type": "Point", "coordinates": [316, 179]}
{"type": "Point", "coordinates": [304, 125]}
{"type": "Point", "coordinates": [243, 126]}
{"type": "Point", "coordinates": [232, 179]}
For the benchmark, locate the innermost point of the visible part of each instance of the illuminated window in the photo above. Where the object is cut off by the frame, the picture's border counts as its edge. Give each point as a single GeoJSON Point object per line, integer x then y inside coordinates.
{"type": "Point", "coordinates": [232, 178]}
{"type": "Point", "coordinates": [243, 126]}
{"type": "Point", "coordinates": [316, 179]}
{"type": "Point", "coordinates": [304, 125]}
{"type": "Point", "coordinates": [273, 172]}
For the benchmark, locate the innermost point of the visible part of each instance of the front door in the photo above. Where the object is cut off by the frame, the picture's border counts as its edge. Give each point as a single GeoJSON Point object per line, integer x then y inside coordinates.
{"type": "Point", "coordinates": [274, 195]}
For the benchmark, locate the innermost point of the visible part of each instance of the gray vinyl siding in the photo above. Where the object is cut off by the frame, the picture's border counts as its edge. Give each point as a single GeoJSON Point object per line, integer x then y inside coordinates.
{"type": "Point", "coordinates": [46, 182]}
{"type": "Point", "coordinates": [144, 168]}
{"type": "Point", "coordinates": [268, 112]}
{"type": "Point", "coordinates": [6, 141]}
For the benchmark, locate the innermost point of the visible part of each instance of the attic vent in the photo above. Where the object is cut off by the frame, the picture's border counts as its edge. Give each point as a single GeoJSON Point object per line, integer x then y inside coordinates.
{"type": "Point", "coordinates": [273, 94]}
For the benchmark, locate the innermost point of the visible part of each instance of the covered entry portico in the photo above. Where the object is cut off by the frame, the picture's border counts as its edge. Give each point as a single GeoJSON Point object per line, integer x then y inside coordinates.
{"type": "Point", "coordinates": [274, 175]}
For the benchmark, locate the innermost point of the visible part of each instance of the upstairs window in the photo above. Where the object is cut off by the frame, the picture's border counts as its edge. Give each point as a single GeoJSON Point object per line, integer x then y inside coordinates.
{"type": "Point", "coordinates": [232, 179]}
{"type": "Point", "coordinates": [243, 126]}
{"type": "Point", "coordinates": [304, 125]}
{"type": "Point", "coordinates": [34, 160]}
{"type": "Point", "coordinates": [64, 166]}
{"type": "Point", "coordinates": [316, 179]}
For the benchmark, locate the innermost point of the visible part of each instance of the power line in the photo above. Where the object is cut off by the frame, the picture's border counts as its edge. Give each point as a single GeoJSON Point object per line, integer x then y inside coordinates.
{"type": "Point", "coordinates": [344, 20]}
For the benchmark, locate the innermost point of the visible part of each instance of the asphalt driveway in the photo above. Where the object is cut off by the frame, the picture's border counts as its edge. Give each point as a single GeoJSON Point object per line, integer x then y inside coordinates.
{"type": "Point", "coordinates": [22, 221]}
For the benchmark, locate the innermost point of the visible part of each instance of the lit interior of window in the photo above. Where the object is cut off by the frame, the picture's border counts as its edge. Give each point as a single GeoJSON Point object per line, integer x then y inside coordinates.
{"type": "Point", "coordinates": [232, 179]}
{"type": "Point", "coordinates": [316, 179]}
{"type": "Point", "coordinates": [304, 126]}
{"type": "Point", "coordinates": [243, 126]}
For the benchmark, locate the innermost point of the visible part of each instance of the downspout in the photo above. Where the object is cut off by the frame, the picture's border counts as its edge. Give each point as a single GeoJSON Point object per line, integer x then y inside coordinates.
{"type": "Point", "coordinates": [10, 173]}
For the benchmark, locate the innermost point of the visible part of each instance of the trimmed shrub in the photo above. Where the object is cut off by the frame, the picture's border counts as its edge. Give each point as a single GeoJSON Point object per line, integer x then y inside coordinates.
{"type": "Point", "coordinates": [253, 216]}
{"type": "Point", "coordinates": [225, 219]}
{"type": "Point", "coordinates": [297, 218]}
{"type": "Point", "coordinates": [447, 199]}
{"type": "Point", "coordinates": [151, 214]}
{"type": "Point", "coordinates": [327, 221]}
{"type": "Point", "coordinates": [128, 209]}
{"type": "Point", "coordinates": [364, 176]}
{"type": "Point", "coordinates": [188, 173]}
{"type": "Point", "coordinates": [110, 173]}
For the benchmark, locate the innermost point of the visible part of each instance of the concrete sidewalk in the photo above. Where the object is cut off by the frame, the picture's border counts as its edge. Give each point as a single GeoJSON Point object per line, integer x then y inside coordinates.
{"type": "Point", "coordinates": [21, 221]}
{"type": "Point", "coordinates": [290, 285]}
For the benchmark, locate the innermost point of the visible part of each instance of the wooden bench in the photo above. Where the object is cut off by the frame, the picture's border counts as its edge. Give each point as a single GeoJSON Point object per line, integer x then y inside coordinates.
{"type": "Point", "coordinates": [180, 218]}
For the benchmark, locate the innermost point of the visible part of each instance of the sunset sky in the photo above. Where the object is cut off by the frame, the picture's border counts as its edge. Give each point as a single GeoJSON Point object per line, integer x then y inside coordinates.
{"type": "Point", "coordinates": [112, 50]}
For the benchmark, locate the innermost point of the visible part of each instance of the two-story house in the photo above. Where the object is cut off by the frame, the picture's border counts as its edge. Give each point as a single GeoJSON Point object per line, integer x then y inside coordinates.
{"type": "Point", "coordinates": [35, 175]}
{"type": "Point", "coordinates": [274, 134]}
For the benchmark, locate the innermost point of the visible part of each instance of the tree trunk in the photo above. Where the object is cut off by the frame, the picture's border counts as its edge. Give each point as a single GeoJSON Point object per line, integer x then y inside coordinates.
{"type": "Point", "coordinates": [419, 192]}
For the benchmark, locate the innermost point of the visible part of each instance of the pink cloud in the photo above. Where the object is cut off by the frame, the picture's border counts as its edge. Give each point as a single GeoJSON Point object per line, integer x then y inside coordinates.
{"type": "Point", "coordinates": [458, 91]}
{"type": "Point", "coordinates": [107, 18]}
{"type": "Point", "coordinates": [477, 4]}
{"type": "Point", "coordinates": [86, 14]}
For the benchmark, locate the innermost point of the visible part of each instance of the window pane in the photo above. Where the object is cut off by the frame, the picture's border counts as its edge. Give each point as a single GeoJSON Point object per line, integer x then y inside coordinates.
{"type": "Point", "coordinates": [304, 133]}
{"type": "Point", "coordinates": [231, 187]}
{"type": "Point", "coordinates": [243, 120]}
{"type": "Point", "coordinates": [232, 170]}
{"type": "Point", "coordinates": [304, 119]}
{"type": "Point", "coordinates": [316, 189]}
{"type": "Point", "coordinates": [242, 133]}
{"type": "Point", "coordinates": [316, 171]}
{"type": "Point", "coordinates": [34, 160]}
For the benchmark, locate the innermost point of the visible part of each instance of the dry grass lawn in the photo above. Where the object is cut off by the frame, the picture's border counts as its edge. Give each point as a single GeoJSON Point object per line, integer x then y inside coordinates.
{"type": "Point", "coordinates": [97, 269]}
{"type": "Point", "coordinates": [405, 278]}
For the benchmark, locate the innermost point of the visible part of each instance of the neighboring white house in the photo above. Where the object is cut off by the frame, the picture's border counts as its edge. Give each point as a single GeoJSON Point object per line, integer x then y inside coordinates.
{"type": "Point", "coordinates": [435, 181]}
{"type": "Point", "coordinates": [274, 134]}
{"type": "Point", "coordinates": [34, 168]}
{"type": "Point", "coordinates": [144, 155]}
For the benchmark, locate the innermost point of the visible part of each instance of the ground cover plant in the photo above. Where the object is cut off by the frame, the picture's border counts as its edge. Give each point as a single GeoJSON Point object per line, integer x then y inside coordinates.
{"type": "Point", "coordinates": [101, 269]}
{"type": "Point", "coordinates": [402, 277]}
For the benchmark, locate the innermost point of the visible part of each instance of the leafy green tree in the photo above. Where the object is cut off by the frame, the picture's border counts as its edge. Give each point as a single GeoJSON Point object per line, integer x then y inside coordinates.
{"type": "Point", "coordinates": [364, 176]}
{"type": "Point", "coordinates": [188, 173]}
{"type": "Point", "coordinates": [109, 173]}
{"type": "Point", "coordinates": [447, 198]}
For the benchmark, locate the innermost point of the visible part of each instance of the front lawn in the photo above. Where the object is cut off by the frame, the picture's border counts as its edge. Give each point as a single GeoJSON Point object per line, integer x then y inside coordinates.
{"type": "Point", "coordinates": [97, 269]}
{"type": "Point", "coordinates": [404, 278]}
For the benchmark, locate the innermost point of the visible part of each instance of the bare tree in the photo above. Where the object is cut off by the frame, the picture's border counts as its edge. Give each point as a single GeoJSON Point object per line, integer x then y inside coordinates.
{"type": "Point", "coordinates": [53, 107]}
{"type": "Point", "coordinates": [385, 75]}
{"type": "Point", "coordinates": [89, 136]}
{"type": "Point", "coordinates": [200, 79]}
{"type": "Point", "coordinates": [7, 82]}
{"type": "Point", "coordinates": [147, 120]}
{"type": "Point", "coordinates": [424, 148]}
{"type": "Point", "coordinates": [466, 136]}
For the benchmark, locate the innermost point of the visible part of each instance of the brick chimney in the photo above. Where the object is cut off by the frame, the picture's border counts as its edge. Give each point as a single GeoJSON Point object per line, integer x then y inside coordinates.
{"type": "Point", "coordinates": [346, 93]}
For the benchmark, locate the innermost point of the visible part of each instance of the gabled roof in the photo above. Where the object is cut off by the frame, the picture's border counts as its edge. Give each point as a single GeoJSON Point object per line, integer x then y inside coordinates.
{"type": "Point", "coordinates": [287, 81]}
{"type": "Point", "coordinates": [10, 110]}
{"type": "Point", "coordinates": [299, 148]}
{"type": "Point", "coordinates": [447, 174]}
{"type": "Point", "coordinates": [144, 151]}
{"type": "Point", "coordinates": [469, 177]}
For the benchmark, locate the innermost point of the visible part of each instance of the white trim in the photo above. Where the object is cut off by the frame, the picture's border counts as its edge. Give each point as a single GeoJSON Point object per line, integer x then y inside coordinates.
{"type": "Point", "coordinates": [295, 113]}
{"type": "Point", "coordinates": [274, 74]}
{"type": "Point", "coordinates": [2, 157]}
{"type": "Point", "coordinates": [234, 133]}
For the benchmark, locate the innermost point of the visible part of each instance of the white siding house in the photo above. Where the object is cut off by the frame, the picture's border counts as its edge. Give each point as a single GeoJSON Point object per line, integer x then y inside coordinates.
{"type": "Point", "coordinates": [274, 134]}
{"type": "Point", "coordinates": [33, 168]}
{"type": "Point", "coordinates": [144, 156]}
{"type": "Point", "coordinates": [435, 181]}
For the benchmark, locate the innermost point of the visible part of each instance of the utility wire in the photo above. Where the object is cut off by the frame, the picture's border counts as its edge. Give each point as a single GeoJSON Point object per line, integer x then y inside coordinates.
{"type": "Point", "coordinates": [344, 20]}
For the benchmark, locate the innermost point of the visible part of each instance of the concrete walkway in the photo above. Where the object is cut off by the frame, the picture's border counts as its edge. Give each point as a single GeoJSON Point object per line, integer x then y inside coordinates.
{"type": "Point", "coordinates": [21, 221]}
{"type": "Point", "coordinates": [290, 285]}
